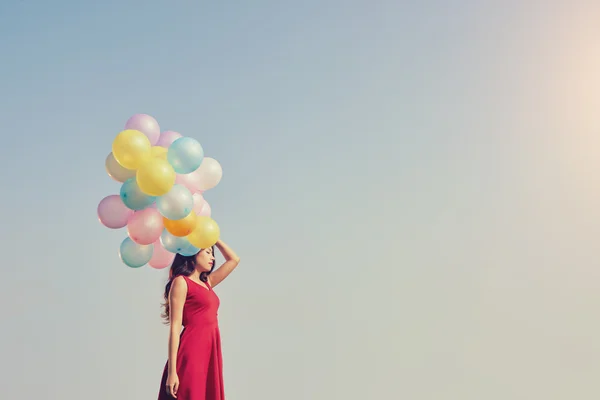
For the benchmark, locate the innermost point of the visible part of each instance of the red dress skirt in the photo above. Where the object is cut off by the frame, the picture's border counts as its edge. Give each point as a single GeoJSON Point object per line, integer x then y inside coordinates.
{"type": "Point", "coordinates": [199, 359]}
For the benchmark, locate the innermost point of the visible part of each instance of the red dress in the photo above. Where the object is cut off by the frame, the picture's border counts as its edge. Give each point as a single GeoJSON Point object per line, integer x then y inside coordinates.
{"type": "Point", "coordinates": [199, 360]}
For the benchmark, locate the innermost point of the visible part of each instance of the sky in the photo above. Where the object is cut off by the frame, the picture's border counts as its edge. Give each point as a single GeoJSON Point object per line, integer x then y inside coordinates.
{"type": "Point", "coordinates": [412, 188]}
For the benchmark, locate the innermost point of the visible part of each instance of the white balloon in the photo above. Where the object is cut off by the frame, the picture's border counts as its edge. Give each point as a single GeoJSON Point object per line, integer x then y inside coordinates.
{"type": "Point", "coordinates": [176, 204]}
{"type": "Point", "coordinates": [116, 171]}
{"type": "Point", "coordinates": [210, 173]}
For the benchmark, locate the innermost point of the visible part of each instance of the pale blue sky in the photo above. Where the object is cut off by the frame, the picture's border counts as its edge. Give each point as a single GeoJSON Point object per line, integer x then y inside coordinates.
{"type": "Point", "coordinates": [413, 189]}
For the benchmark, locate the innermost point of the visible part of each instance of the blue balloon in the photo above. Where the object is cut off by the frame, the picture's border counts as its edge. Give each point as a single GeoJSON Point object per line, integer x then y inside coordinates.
{"type": "Point", "coordinates": [185, 155]}
{"type": "Point", "coordinates": [176, 204]}
{"type": "Point", "coordinates": [191, 250]}
{"type": "Point", "coordinates": [173, 244]}
{"type": "Point", "coordinates": [133, 197]}
{"type": "Point", "coordinates": [135, 255]}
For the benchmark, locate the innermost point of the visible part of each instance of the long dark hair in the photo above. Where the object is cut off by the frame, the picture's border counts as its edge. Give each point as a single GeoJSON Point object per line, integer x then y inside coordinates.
{"type": "Point", "coordinates": [182, 265]}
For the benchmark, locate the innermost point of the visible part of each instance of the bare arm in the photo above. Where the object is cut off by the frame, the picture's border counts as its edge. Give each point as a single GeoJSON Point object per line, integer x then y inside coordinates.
{"type": "Point", "coordinates": [177, 296]}
{"type": "Point", "coordinates": [231, 261]}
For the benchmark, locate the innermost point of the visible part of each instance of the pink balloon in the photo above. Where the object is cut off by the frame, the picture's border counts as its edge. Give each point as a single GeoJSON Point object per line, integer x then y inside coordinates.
{"type": "Point", "coordinates": [161, 258]}
{"type": "Point", "coordinates": [167, 138]}
{"type": "Point", "coordinates": [112, 213]}
{"type": "Point", "coordinates": [201, 206]}
{"type": "Point", "coordinates": [145, 124]}
{"type": "Point", "coordinates": [198, 202]}
{"type": "Point", "coordinates": [192, 181]}
{"type": "Point", "coordinates": [206, 210]}
{"type": "Point", "coordinates": [145, 226]}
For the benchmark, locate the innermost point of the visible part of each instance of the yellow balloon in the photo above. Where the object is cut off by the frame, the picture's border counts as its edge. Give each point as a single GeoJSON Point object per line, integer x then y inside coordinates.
{"type": "Point", "coordinates": [155, 177]}
{"type": "Point", "coordinates": [159, 151]}
{"type": "Point", "coordinates": [131, 149]}
{"type": "Point", "coordinates": [181, 227]}
{"type": "Point", "coordinates": [205, 234]}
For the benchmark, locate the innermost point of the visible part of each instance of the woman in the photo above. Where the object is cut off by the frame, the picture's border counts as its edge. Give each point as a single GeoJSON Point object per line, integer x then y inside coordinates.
{"type": "Point", "coordinates": [194, 369]}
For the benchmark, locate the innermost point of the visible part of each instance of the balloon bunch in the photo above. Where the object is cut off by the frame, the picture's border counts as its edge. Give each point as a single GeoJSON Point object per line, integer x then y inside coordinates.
{"type": "Point", "coordinates": [163, 177]}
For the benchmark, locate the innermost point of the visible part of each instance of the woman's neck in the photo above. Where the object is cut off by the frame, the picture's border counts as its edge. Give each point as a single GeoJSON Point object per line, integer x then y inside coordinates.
{"type": "Point", "coordinates": [195, 275]}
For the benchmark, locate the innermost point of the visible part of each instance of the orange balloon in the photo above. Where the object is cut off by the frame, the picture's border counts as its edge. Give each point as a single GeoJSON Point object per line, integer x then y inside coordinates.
{"type": "Point", "coordinates": [181, 227]}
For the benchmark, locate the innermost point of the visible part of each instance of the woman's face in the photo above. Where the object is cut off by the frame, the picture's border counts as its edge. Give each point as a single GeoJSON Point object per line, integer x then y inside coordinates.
{"type": "Point", "coordinates": [205, 260]}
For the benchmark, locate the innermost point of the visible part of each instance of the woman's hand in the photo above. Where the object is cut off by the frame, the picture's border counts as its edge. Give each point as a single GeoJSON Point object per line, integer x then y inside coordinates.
{"type": "Point", "coordinates": [172, 385]}
{"type": "Point", "coordinates": [231, 261]}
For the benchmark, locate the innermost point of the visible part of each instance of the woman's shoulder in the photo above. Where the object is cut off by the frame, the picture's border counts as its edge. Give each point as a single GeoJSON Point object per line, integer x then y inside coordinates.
{"type": "Point", "coordinates": [179, 282]}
